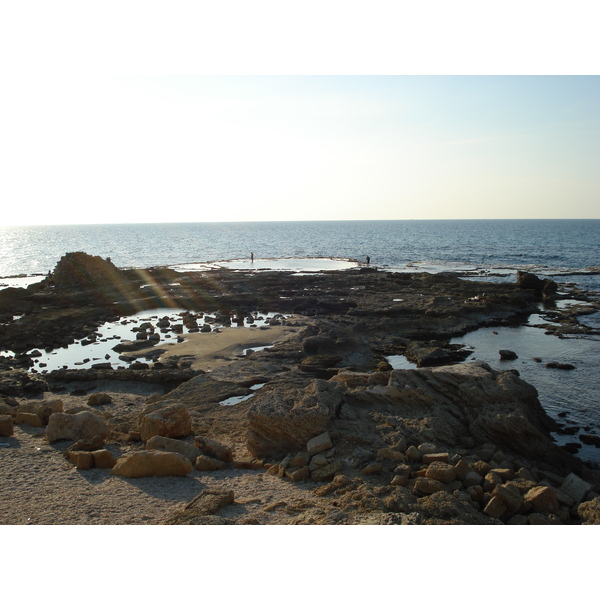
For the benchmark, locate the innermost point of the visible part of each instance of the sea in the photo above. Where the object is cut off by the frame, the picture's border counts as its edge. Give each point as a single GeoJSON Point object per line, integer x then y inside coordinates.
{"type": "Point", "coordinates": [567, 251]}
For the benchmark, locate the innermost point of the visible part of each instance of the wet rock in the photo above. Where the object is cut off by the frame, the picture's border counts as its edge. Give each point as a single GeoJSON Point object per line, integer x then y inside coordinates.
{"type": "Point", "coordinates": [83, 425]}
{"type": "Point", "coordinates": [507, 355]}
{"type": "Point", "coordinates": [152, 463]}
{"type": "Point", "coordinates": [560, 366]}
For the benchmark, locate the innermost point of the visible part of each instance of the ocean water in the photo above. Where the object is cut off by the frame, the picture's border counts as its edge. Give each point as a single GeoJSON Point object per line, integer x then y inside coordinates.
{"type": "Point", "coordinates": [566, 250]}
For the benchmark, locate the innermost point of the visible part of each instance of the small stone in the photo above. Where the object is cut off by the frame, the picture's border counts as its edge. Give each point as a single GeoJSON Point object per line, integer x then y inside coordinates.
{"type": "Point", "coordinates": [491, 480]}
{"type": "Point", "coordinates": [208, 463]}
{"type": "Point", "coordinates": [404, 470]}
{"type": "Point", "coordinates": [413, 455]}
{"type": "Point", "coordinates": [505, 474]}
{"type": "Point", "coordinates": [575, 487]}
{"type": "Point", "coordinates": [538, 519]}
{"type": "Point", "coordinates": [507, 355]}
{"type": "Point", "coordinates": [372, 468]}
{"type": "Point", "coordinates": [85, 461]}
{"type": "Point", "coordinates": [472, 478]}
{"type": "Point", "coordinates": [518, 520]}
{"type": "Point", "coordinates": [390, 454]}
{"type": "Point", "coordinates": [298, 474]}
{"type": "Point", "coordinates": [427, 448]}
{"type": "Point", "coordinates": [476, 492]}
{"type": "Point", "coordinates": [318, 444]}
{"type": "Point", "coordinates": [99, 398]}
{"type": "Point", "coordinates": [427, 486]}
{"type": "Point", "coordinates": [524, 473]}
{"type": "Point", "coordinates": [481, 467]}
{"type": "Point", "coordinates": [299, 461]}
{"type": "Point", "coordinates": [494, 508]}
{"type": "Point", "coordinates": [103, 459]}
{"type": "Point", "coordinates": [326, 472]}
{"type": "Point", "coordinates": [542, 498]}
{"type": "Point", "coordinates": [318, 461]}
{"type": "Point", "coordinates": [6, 426]}
{"type": "Point", "coordinates": [509, 494]}
{"type": "Point", "coordinates": [441, 472]}
{"type": "Point", "coordinates": [23, 418]}
{"type": "Point", "coordinates": [213, 448]}
{"type": "Point", "coordinates": [400, 480]}
{"type": "Point", "coordinates": [438, 457]}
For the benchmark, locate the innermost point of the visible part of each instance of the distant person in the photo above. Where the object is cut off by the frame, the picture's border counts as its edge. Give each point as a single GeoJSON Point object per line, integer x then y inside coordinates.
{"type": "Point", "coordinates": [252, 256]}
{"type": "Point", "coordinates": [368, 260]}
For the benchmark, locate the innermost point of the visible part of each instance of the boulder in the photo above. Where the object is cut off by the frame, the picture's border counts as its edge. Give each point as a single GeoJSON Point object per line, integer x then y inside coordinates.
{"type": "Point", "coordinates": [25, 418]}
{"type": "Point", "coordinates": [283, 419]}
{"type": "Point", "coordinates": [83, 425]}
{"type": "Point", "coordinates": [166, 420]}
{"type": "Point", "coordinates": [510, 496]}
{"type": "Point", "coordinates": [152, 463]}
{"type": "Point", "coordinates": [507, 355]}
{"type": "Point", "coordinates": [170, 445]}
{"type": "Point", "coordinates": [424, 485]}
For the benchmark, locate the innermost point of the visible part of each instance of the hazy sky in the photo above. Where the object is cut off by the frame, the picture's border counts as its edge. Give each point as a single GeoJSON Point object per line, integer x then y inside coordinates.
{"type": "Point", "coordinates": [108, 149]}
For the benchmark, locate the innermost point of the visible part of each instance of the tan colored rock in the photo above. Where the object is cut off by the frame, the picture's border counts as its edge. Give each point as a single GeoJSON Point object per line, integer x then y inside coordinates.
{"type": "Point", "coordinates": [84, 425]}
{"type": "Point", "coordinates": [6, 426]}
{"type": "Point", "coordinates": [390, 454]}
{"type": "Point", "coordinates": [441, 471]}
{"type": "Point", "coordinates": [85, 461]}
{"type": "Point", "coordinates": [481, 468]}
{"type": "Point", "coordinates": [476, 493]}
{"type": "Point", "coordinates": [462, 468]}
{"type": "Point", "coordinates": [427, 486]}
{"type": "Point", "coordinates": [170, 420]}
{"type": "Point", "coordinates": [213, 448]}
{"type": "Point", "coordinates": [152, 463]}
{"type": "Point", "coordinates": [400, 480]}
{"type": "Point", "coordinates": [524, 473]}
{"type": "Point", "coordinates": [170, 445]}
{"type": "Point", "coordinates": [436, 457]}
{"type": "Point", "coordinates": [99, 398]}
{"type": "Point", "coordinates": [208, 502]}
{"type": "Point", "coordinates": [589, 511]}
{"type": "Point", "coordinates": [413, 454]}
{"type": "Point", "coordinates": [327, 472]}
{"type": "Point", "coordinates": [372, 468]}
{"type": "Point", "coordinates": [299, 461]}
{"type": "Point", "coordinates": [472, 478]}
{"type": "Point", "coordinates": [103, 459]}
{"type": "Point", "coordinates": [298, 474]}
{"type": "Point", "coordinates": [42, 408]}
{"type": "Point", "coordinates": [32, 419]}
{"type": "Point", "coordinates": [208, 463]}
{"type": "Point", "coordinates": [5, 409]}
{"type": "Point", "coordinates": [319, 444]}
{"type": "Point", "coordinates": [504, 474]}
{"type": "Point", "coordinates": [495, 508]}
{"type": "Point", "coordinates": [509, 494]}
{"type": "Point", "coordinates": [491, 480]}
{"type": "Point", "coordinates": [543, 499]}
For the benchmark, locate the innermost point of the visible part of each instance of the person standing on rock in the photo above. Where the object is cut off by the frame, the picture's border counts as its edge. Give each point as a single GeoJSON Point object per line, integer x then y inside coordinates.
{"type": "Point", "coordinates": [252, 256]}
{"type": "Point", "coordinates": [368, 260]}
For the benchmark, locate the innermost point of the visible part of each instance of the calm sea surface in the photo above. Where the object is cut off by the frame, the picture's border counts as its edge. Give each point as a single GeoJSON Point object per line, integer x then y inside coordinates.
{"type": "Point", "coordinates": [490, 250]}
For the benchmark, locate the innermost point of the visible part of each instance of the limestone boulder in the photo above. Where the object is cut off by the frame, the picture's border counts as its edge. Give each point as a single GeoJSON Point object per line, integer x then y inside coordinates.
{"type": "Point", "coordinates": [284, 418]}
{"type": "Point", "coordinates": [213, 448]}
{"type": "Point", "coordinates": [152, 463]}
{"type": "Point", "coordinates": [170, 445]}
{"type": "Point", "coordinates": [99, 398]}
{"type": "Point", "coordinates": [42, 408]}
{"type": "Point", "coordinates": [84, 425]}
{"type": "Point", "coordinates": [166, 420]}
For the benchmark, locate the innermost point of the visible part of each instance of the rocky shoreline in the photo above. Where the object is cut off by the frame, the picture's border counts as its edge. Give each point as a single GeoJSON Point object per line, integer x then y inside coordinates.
{"type": "Point", "coordinates": [320, 416]}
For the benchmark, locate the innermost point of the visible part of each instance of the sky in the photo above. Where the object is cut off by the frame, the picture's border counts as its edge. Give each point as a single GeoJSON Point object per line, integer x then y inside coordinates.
{"type": "Point", "coordinates": [84, 144]}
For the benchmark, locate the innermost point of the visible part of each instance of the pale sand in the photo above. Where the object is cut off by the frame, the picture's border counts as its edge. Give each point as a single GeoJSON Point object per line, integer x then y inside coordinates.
{"type": "Point", "coordinates": [207, 351]}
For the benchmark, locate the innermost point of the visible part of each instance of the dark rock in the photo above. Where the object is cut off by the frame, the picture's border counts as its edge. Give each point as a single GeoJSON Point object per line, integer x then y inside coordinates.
{"type": "Point", "coordinates": [561, 366]}
{"type": "Point", "coordinates": [507, 355]}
